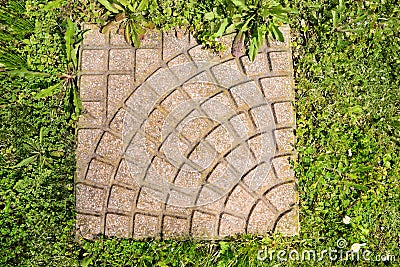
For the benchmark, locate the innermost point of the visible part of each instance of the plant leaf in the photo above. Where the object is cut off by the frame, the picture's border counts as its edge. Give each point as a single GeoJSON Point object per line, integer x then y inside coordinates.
{"type": "Point", "coordinates": [108, 26]}
{"type": "Point", "coordinates": [135, 39]}
{"type": "Point", "coordinates": [245, 25]}
{"type": "Point", "coordinates": [108, 6]}
{"type": "Point", "coordinates": [127, 33]}
{"type": "Point", "coordinates": [41, 134]}
{"type": "Point", "coordinates": [53, 5]}
{"type": "Point", "coordinates": [135, 31]}
{"type": "Point", "coordinates": [209, 16]}
{"type": "Point", "coordinates": [277, 34]}
{"type": "Point", "coordinates": [26, 73]}
{"type": "Point", "coordinates": [85, 262]}
{"type": "Point", "coordinates": [239, 4]}
{"type": "Point", "coordinates": [48, 91]}
{"type": "Point", "coordinates": [356, 186]}
{"type": "Point", "coordinates": [123, 3]}
{"type": "Point", "coordinates": [253, 49]}
{"type": "Point", "coordinates": [260, 37]}
{"type": "Point", "coordinates": [26, 161]}
{"type": "Point", "coordinates": [231, 28]}
{"type": "Point", "coordinates": [117, 6]}
{"type": "Point", "coordinates": [168, 11]}
{"type": "Point", "coordinates": [222, 27]}
{"type": "Point", "coordinates": [143, 5]}
{"type": "Point", "coordinates": [334, 18]}
{"type": "Point", "coordinates": [69, 38]}
{"type": "Point", "coordinates": [77, 101]}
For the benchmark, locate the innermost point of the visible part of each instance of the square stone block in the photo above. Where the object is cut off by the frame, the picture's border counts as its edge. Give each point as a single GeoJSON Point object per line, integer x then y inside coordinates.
{"type": "Point", "coordinates": [93, 113]}
{"type": "Point", "coordinates": [99, 172]}
{"type": "Point", "coordinates": [121, 199]}
{"type": "Point", "coordinates": [93, 37]}
{"type": "Point", "coordinates": [89, 198]}
{"type": "Point", "coordinates": [147, 61]}
{"type": "Point", "coordinates": [284, 113]}
{"type": "Point", "coordinates": [94, 61]}
{"type": "Point", "coordinates": [260, 65]}
{"type": "Point", "coordinates": [88, 226]}
{"type": "Point", "coordinates": [176, 141]}
{"type": "Point", "coordinates": [117, 225]}
{"type": "Point", "coordinates": [121, 60]}
{"type": "Point", "coordinates": [93, 87]}
{"type": "Point", "coordinates": [278, 87]}
{"type": "Point", "coordinates": [280, 61]}
{"type": "Point", "coordinates": [146, 226]}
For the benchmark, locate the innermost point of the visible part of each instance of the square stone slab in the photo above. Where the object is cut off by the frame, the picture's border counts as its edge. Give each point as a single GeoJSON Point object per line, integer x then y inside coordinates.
{"type": "Point", "coordinates": [176, 141]}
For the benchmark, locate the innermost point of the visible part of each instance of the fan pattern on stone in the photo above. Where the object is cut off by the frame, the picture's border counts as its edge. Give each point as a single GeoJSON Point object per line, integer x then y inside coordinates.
{"type": "Point", "coordinates": [176, 141]}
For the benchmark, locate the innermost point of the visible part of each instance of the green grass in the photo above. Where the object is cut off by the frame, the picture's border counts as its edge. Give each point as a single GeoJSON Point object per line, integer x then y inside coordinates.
{"type": "Point", "coordinates": [348, 130]}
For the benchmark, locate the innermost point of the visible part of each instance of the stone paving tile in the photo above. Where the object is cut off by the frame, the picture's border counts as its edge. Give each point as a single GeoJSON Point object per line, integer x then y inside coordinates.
{"type": "Point", "coordinates": [280, 61]}
{"type": "Point", "coordinates": [121, 60]}
{"type": "Point", "coordinates": [117, 225]}
{"type": "Point", "coordinates": [230, 225]}
{"type": "Point", "coordinates": [93, 113]}
{"type": "Point", "coordinates": [93, 37]}
{"type": "Point", "coordinates": [99, 172]}
{"type": "Point", "coordinates": [119, 88]}
{"type": "Point", "coordinates": [284, 113]}
{"type": "Point", "coordinates": [175, 227]}
{"type": "Point", "coordinates": [260, 65]}
{"type": "Point", "coordinates": [148, 61]}
{"type": "Point", "coordinates": [177, 141]}
{"type": "Point", "coordinates": [88, 226]}
{"type": "Point", "coordinates": [121, 199]}
{"type": "Point", "coordinates": [93, 87]}
{"type": "Point", "coordinates": [94, 61]}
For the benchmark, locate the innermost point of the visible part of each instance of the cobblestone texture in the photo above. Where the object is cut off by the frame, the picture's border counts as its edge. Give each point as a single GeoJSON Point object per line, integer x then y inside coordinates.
{"type": "Point", "coordinates": [176, 141]}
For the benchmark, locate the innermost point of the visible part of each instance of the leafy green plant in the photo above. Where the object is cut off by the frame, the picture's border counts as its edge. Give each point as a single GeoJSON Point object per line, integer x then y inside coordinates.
{"type": "Point", "coordinates": [130, 16]}
{"type": "Point", "coordinates": [252, 20]}
{"type": "Point", "coordinates": [68, 80]}
{"type": "Point", "coordinates": [39, 152]}
{"type": "Point", "coordinates": [13, 25]}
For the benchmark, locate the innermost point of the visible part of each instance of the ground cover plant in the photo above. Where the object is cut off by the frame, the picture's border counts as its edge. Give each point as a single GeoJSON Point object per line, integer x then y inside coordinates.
{"type": "Point", "coordinates": [348, 131]}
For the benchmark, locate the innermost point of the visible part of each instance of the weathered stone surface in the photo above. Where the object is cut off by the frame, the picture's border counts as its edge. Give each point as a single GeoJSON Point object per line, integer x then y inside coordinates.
{"type": "Point", "coordinates": [89, 198]}
{"type": "Point", "coordinates": [88, 226]}
{"type": "Point", "coordinates": [93, 113]}
{"type": "Point", "coordinates": [109, 147]}
{"type": "Point", "coordinates": [147, 62]}
{"type": "Point", "coordinates": [278, 88]}
{"type": "Point", "coordinates": [121, 199]}
{"type": "Point", "coordinates": [177, 141]}
{"type": "Point", "coordinates": [94, 61]}
{"type": "Point", "coordinates": [284, 114]}
{"type": "Point", "coordinates": [99, 172]}
{"type": "Point", "coordinates": [121, 60]}
{"type": "Point", "coordinates": [117, 225]}
{"type": "Point", "coordinates": [93, 37]}
{"type": "Point", "coordinates": [260, 65]}
{"type": "Point", "coordinates": [93, 87]}
{"type": "Point", "coordinates": [280, 61]}
{"type": "Point", "coordinates": [175, 227]}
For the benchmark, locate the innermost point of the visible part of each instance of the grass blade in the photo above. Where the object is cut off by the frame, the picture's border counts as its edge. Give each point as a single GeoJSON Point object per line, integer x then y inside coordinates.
{"type": "Point", "coordinates": [48, 91]}
{"type": "Point", "coordinates": [108, 6]}
{"type": "Point", "coordinates": [26, 161]}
